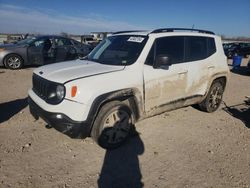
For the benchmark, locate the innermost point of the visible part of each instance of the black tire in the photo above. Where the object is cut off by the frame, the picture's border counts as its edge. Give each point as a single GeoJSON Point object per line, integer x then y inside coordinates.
{"type": "Point", "coordinates": [214, 97]}
{"type": "Point", "coordinates": [112, 125]}
{"type": "Point", "coordinates": [13, 62]}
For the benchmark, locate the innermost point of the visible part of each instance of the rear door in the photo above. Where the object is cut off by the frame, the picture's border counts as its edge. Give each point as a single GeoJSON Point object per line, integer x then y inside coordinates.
{"type": "Point", "coordinates": [82, 49]}
{"type": "Point", "coordinates": [200, 64]}
{"type": "Point", "coordinates": [64, 49]}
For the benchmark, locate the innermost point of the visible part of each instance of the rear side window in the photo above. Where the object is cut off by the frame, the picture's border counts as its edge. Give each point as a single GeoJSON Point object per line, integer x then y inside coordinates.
{"type": "Point", "coordinates": [210, 46]}
{"type": "Point", "coordinates": [182, 48]}
{"type": "Point", "coordinates": [62, 42]}
{"type": "Point", "coordinates": [198, 48]}
{"type": "Point", "coordinates": [173, 47]}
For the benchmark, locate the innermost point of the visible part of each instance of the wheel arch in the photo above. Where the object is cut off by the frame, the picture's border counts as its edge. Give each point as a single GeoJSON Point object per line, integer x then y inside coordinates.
{"type": "Point", "coordinates": [130, 97]}
{"type": "Point", "coordinates": [208, 105]}
{"type": "Point", "coordinates": [221, 77]}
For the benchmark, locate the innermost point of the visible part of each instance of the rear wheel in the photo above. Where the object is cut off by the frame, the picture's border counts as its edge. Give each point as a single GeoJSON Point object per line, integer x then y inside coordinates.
{"type": "Point", "coordinates": [13, 61]}
{"type": "Point", "coordinates": [214, 97]}
{"type": "Point", "coordinates": [112, 125]}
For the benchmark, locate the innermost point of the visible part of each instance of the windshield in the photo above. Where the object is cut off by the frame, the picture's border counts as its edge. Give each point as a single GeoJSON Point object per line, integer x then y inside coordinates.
{"type": "Point", "coordinates": [26, 41]}
{"type": "Point", "coordinates": [118, 50]}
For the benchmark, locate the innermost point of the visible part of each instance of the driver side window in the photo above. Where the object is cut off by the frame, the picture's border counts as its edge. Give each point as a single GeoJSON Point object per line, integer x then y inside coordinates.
{"type": "Point", "coordinates": [173, 47]}
{"type": "Point", "coordinates": [42, 42]}
{"type": "Point", "coordinates": [39, 43]}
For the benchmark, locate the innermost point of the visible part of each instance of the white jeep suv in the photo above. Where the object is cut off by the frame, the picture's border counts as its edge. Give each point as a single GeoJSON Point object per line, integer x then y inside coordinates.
{"type": "Point", "coordinates": [129, 76]}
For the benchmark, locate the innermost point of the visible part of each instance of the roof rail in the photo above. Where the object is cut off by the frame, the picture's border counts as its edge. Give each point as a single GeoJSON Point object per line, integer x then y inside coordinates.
{"type": "Point", "coordinates": [181, 29]}
{"type": "Point", "coordinates": [119, 32]}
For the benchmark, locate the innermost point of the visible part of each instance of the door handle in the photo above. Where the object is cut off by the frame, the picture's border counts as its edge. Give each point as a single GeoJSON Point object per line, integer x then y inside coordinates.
{"type": "Point", "coordinates": [211, 67]}
{"type": "Point", "coordinates": [183, 72]}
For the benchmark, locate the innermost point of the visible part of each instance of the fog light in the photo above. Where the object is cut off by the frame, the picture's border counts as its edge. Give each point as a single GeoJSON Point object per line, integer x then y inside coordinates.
{"type": "Point", "coordinates": [59, 116]}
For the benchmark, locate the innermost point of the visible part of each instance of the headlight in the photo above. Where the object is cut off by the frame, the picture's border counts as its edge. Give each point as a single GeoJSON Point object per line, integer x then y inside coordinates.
{"type": "Point", "coordinates": [60, 92]}
{"type": "Point", "coordinates": [56, 94]}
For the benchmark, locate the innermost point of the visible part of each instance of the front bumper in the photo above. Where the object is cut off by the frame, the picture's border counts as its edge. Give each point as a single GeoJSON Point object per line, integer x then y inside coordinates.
{"type": "Point", "coordinates": [61, 122]}
{"type": "Point", "coordinates": [1, 59]}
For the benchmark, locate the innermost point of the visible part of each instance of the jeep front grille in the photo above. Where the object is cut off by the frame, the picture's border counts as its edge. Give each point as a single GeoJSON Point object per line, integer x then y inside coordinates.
{"type": "Point", "coordinates": [41, 86]}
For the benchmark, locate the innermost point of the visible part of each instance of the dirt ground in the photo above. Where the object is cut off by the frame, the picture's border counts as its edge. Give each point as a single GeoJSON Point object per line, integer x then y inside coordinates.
{"type": "Point", "coordinates": [181, 148]}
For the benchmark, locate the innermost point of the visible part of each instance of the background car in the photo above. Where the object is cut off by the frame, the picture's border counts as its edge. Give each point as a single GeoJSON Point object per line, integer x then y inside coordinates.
{"type": "Point", "coordinates": [91, 41]}
{"type": "Point", "coordinates": [231, 49]}
{"type": "Point", "coordinates": [244, 49]}
{"type": "Point", "coordinates": [40, 50]}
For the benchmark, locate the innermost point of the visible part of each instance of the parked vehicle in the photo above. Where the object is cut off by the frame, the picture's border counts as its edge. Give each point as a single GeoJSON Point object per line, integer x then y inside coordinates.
{"type": "Point", "coordinates": [130, 76]}
{"type": "Point", "coordinates": [41, 50]}
{"type": "Point", "coordinates": [244, 49]}
{"type": "Point", "coordinates": [90, 40]}
{"type": "Point", "coordinates": [232, 49]}
{"type": "Point", "coordinates": [13, 38]}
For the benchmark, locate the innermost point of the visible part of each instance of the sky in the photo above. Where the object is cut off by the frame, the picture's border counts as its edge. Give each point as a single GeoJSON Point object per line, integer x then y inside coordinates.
{"type": "Point", "coordinates": [224, 17]}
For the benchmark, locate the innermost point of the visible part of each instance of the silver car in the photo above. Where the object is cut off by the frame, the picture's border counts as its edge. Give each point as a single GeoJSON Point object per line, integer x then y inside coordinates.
{"type": "Point", "coordinates": [41, 50]}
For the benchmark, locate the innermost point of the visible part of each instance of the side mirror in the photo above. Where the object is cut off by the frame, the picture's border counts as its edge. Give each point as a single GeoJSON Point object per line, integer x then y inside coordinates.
{"type": "Point", "coordinates": [162, 60]}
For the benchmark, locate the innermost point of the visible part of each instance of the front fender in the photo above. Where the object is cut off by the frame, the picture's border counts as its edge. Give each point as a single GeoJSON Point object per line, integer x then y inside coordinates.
{"type": "Point", "coordinates": [7, 52]}
{"type": "Point", "coordinates": [130, 95]}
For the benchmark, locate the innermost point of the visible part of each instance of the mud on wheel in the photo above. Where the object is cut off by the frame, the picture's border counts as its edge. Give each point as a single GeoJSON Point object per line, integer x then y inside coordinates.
{"type": "Point", "coordinates": [214, 97]}
{"type": "Point", "coordinates": [112, 125]}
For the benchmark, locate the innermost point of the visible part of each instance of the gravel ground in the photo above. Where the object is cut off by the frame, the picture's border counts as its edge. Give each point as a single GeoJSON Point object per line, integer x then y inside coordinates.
{"type": "Point", "coordinates": [181, 148]}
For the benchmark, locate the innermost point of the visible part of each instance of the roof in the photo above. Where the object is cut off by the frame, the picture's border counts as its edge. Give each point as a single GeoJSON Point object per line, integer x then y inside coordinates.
{"type": "Point", "coordinates": [51, 36]}
{"type": "Point", "coordinates": [164, 30]}
{"type": "Point", "coordinates": [135, 32]}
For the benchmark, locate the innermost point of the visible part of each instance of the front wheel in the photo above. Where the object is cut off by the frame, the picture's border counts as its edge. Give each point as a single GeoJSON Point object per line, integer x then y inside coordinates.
{"type": "Point", "coordinates": [13, 62]}
{"type": "Point", "coordinates": [112, 125]}
{"type": "Point", "coordinates": [214, 98]}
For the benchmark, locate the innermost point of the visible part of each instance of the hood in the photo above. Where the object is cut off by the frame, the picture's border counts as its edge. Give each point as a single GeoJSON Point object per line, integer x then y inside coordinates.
{"type": "Point", "coordinates": [70, 70]}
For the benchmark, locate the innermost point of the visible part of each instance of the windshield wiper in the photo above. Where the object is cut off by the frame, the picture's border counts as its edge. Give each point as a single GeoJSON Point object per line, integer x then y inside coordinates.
{"type": "Point", "coordinates": [82, 58]}
{"type": "Point", "coordinates": [87, 58]}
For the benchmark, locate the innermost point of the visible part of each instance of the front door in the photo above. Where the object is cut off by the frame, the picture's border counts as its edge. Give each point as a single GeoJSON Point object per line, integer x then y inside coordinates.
{"type": "Point", "coordinates": [40, 52]}
{"type": "Point", "coordinates": [164, 85]}
{"type": "Point", "coordinates": [35, 52]}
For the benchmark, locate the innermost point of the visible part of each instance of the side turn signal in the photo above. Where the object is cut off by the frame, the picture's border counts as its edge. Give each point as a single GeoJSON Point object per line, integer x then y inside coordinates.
{"type": "Point", "coordinates": [73, 91]}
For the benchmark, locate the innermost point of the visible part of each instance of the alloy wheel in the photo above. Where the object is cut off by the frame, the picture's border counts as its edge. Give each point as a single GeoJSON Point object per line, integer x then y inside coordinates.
{"type": "Point", "coordinates": [14, 62]}
{"type": "Point", "coordinates": [215, 97]}
{"type": "Point", "coordinates": [116, 126]}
